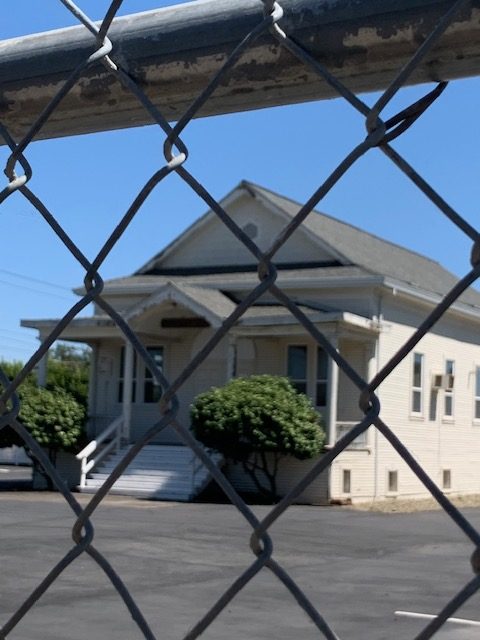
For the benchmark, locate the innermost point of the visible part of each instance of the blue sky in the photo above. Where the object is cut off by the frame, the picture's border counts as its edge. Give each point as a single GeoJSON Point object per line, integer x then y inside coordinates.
{"type": "Point", "coordinates": [89, 181]}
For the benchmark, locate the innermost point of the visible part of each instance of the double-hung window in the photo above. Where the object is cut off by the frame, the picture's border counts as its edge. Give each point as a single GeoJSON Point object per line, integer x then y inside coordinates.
{"type": "Point", "coordinates": [297, 367]}
{"type": "Point", "coordinates": [145, 388]}
{"type": "Point", "coordinates": [307, 368]}
{"type": "Point", "coordinates": [448, 397]}
{"type": "Point", "coordinates": [477, 394]}
{"type": "Point", "coordinates": [417, 384]}
{"type": "Point", "coordinates": [152, 390]}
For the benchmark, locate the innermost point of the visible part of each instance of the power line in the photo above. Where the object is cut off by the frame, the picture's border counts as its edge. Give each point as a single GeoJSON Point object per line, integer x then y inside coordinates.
{"type": "Point", "coordinates": [44, 293]}
{"type": "Point", "coordinates": [18, 332]}
{"type": "Point", "coordinates": [30, 344]}
{"type": "Point", "coordinates": [31, 279]}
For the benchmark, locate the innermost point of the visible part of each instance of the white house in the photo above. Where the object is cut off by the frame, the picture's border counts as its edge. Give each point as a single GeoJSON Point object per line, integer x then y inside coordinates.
{"type": "Point", "coordinates": [365, 294]}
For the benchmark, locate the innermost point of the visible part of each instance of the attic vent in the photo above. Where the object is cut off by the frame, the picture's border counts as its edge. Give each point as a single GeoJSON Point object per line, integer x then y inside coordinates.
{"type": "Point", "coordinates": [251, 230]}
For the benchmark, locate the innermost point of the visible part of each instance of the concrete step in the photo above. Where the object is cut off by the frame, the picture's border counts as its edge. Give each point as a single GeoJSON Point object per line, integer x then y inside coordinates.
{"type": "Point", "coordinates": [139, 484]}
{"type": "Point", "coordinates": [150, 478]}
{"type": "Point", "coordinates": [160, 472]}
{"type": "Point", "coordinates": [176, 496]}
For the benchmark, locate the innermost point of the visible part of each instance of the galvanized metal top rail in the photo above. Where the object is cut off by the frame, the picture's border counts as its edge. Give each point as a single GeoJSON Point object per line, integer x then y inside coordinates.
{"type": "Point", "coordinates": [173, 53]}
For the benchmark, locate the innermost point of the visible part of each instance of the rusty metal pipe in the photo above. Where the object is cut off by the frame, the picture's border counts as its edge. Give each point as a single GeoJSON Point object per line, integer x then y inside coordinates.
{"type": "Point", "coordinates": [173, 52]}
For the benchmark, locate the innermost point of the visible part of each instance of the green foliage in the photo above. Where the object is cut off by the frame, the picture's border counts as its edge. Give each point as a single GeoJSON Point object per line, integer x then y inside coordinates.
{"type": "Point", "coordinates": [9, 437]}
{"type": "Point", "coordinates": [54, 418]}
{"type": "Point", "coordinates": [254, 416]}
{"type": "Point", "coordinates": [68, 369]}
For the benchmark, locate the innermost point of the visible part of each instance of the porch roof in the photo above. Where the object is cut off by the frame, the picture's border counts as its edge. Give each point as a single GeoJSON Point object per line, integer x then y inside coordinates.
{"type": "Point", "coordinates": [239, 278]}
{"type": "Point", "coordinates": [210, 304]}
{"type": "Point", "coordinates": [273, 318]}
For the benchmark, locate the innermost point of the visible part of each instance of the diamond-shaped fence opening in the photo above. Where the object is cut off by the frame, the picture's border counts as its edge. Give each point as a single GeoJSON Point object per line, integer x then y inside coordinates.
{"type": "Point", "coordinates": [213, 57]}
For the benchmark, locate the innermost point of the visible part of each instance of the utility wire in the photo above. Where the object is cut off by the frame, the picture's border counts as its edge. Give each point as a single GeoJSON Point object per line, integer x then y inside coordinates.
{"type": "Point", "coordinates": [44, 293]}
{"type": "Point", "coordinates": [31, 279]}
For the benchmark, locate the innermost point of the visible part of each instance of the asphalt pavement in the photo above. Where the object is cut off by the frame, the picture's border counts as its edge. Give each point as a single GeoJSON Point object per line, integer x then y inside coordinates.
{"type": "Point", "coordinates": [357, 568]}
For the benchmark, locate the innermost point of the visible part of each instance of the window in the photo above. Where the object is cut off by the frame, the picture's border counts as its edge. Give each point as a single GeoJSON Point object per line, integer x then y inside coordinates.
{"type": "Point", "coordinates": [152, 391]}
{"type": "Point", "coordinates": [322, 378]}
{"type": "Point", "coordinates": [447, 479]}
{"type": "Point", "coordinates": [347, 481]}
{"type": "Point", "coordinates": [477, 393]}
{"type": "Point", "coordinates": [417, 383]}
{"type": "Point", "coordinates": [148, 389]}
{"type": "Point", "coordinates": [393, 481]}
{"type": "Point", "coordinates": [448, 397]}
{"type": "Point", "coordinates": [307, 368]}
{"type": "Point", "coordinates": [297, 367]}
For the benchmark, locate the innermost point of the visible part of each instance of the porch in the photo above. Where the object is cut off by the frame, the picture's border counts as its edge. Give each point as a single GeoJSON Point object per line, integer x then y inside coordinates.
{"type": "Point", "coordinates": [175, 324]}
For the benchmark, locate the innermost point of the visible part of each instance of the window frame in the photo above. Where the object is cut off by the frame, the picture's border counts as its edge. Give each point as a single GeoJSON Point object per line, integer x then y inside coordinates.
{"type": "Point", "coordinates": [298, 382]}
{"type": "Point", "coordinates": [312, 379]}
{"type": "Point", "coordinates": [449, 394]}
{"type": "Point", "coordinates": [139, 376]}
{"type": "Point", "coordinates": [414, 389]}
{"type": "Point", "coordinates": [392, 473]}
{"type": "Point", "coordinates": [476, 398]}
{"type": "Point", "coordinates": [149, 379]}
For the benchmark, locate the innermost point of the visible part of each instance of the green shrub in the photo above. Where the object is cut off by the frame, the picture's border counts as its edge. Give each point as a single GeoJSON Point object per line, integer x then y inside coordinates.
{"type": "Point", "coordinates": [53, 416]}
{"type": "Point", "coordinates": [254, 416]}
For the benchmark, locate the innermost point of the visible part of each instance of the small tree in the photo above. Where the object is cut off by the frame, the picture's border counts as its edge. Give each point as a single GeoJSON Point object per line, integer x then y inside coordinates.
{"type": "Point", "coordinates": [251, 417]}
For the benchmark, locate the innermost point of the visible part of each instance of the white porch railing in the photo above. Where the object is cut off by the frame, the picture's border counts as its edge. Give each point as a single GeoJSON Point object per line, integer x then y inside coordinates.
{"type": "Point", "coordinates": [113, 431]}
{"type": "Point", "coordinates": [342, 428]}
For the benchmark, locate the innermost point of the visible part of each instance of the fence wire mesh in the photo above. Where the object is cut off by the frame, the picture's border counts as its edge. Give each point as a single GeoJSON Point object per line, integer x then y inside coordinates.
{"type": "Point", "coordinates": [380, 133]}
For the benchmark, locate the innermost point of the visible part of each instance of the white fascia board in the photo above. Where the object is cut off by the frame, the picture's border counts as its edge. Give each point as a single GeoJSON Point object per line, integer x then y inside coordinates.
{"type": "Point", "coordinates": [236, 285]}
{"type": "Point", "coordinates": [345, 317]}
{"type": "Point", "coordinates": [416, 293]}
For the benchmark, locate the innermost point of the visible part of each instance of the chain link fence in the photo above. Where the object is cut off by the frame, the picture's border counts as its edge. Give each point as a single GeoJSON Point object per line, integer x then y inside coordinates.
{"type": "Point", "coordinates": [380, 133]}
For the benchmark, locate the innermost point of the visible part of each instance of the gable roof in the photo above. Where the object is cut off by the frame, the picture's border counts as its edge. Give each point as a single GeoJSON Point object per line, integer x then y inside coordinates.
{"type": "Point", "coordinates": [374, 254]}
{"type": "Point", "coordinates": [353, 248]}
{"type": "Point", "coordinates": [211, 304]}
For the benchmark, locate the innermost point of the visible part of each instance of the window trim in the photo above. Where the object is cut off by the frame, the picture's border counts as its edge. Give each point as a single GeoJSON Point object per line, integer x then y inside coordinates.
{"type": "Point", "coordinates": [448, 417]}
{"type": "Point", "coordinates": [311, 369]}
{"type": "Point", "coordinates": [420, 389]}
{"type": "Point", "coordinates": [476, 421]}
{"type": "Point", "coordinates": [388, 491]}
{"type": "Point", "coordinates": [444, 476]}
{"type": "Point", "coordinates": [346, 480]}
{"type": "Point", "coordinates": [149, 378]}
{"type": "Point", "coordinates": [139, 378]}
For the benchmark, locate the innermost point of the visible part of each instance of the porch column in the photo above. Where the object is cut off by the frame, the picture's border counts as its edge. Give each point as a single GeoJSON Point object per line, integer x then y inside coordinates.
{"type": "Point", "coordinates": [42, 371]}
{"type": "Point", "coordinates": [231, 357]}
{"type": "Point", "coordinates": [371, 362]}
{"type": "Point", "coordinates": [127, 390]}
{"type": "Point", "coordinates": [332, 396]}
{"type": "Point", "coordinates": [92, 387]}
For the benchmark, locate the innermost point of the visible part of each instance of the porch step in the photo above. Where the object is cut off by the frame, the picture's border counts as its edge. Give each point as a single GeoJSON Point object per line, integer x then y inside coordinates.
{"type": "Point", "coordinates": [159, 472]}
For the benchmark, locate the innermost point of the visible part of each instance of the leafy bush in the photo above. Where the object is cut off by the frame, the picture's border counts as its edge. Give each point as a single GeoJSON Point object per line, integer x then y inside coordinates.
{"type": "Point", "coordinates": [68, 369]}
{"type": "Point", "coordinates": [53, 416]}
{"type": "Point", "coordinates": [254, 416]}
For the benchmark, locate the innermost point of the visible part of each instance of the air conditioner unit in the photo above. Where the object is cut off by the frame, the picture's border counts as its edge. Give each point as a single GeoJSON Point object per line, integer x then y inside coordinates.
{"type": "Point", "coordinates": [443, 381]}
{"type": "Point", "coordinates": [448, 381]}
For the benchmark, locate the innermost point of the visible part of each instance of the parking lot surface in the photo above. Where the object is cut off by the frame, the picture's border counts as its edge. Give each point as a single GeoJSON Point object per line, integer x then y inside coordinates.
{"type": "Point", "coordinates": [358, 568]}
